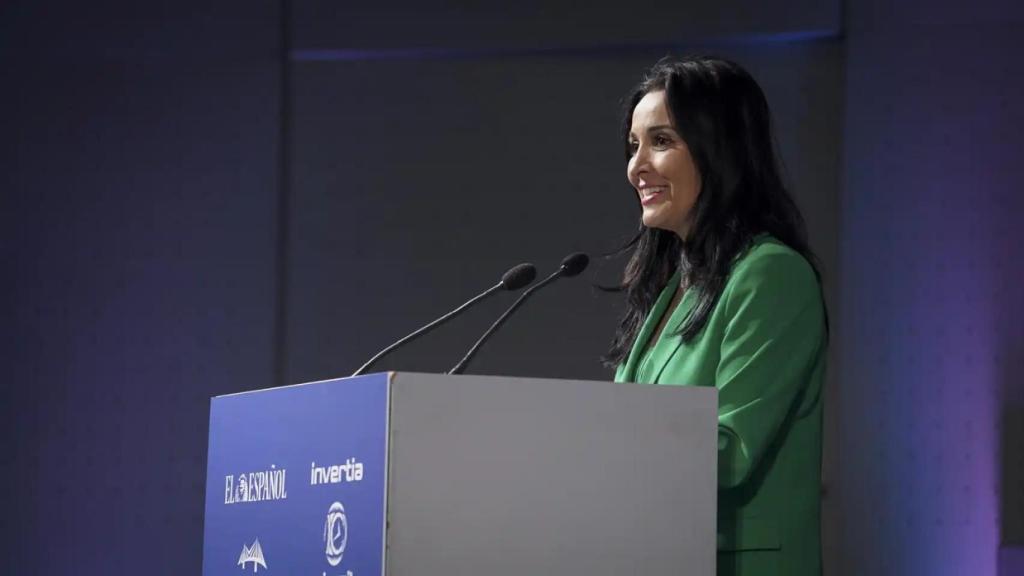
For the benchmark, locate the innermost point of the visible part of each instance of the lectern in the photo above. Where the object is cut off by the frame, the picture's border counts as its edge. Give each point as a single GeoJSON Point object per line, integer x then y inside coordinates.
{"type": "Point", "coordinates": [431, 475]}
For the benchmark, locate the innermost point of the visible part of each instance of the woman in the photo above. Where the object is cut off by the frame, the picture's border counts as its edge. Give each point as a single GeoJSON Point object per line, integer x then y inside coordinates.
{"type": "Point", "coordinates": [722, 290]}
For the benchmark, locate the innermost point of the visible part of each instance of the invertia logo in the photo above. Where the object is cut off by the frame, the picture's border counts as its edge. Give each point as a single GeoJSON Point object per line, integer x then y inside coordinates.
{"type": "Point", "coordinates": [256, 486]}
{"type": "Point", "coordinates": [335, 533]}
{"type": "Point", "coordinates": [252, 554]}
{"type": "Point", "coordinates": [350, 471]}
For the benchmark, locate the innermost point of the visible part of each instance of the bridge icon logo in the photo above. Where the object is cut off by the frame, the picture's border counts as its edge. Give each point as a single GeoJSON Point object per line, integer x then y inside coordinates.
{"type": "Point", "coordinates": [252, 554]}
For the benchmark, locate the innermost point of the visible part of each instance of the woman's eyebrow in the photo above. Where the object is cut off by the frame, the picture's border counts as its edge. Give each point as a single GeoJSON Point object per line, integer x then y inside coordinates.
{"type": "Point", "coordinates": [660, 127]}
{"type": "Point", "coordinates": [653, 129]}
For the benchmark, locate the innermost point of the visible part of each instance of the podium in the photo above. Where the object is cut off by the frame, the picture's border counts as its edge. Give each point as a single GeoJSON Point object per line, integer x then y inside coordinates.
{"type": "Point", "coordinates": [426, 474]}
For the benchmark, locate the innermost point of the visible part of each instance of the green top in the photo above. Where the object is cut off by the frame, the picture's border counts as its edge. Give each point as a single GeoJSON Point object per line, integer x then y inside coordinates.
{"type": "Point", "coordinates": [764, 348]}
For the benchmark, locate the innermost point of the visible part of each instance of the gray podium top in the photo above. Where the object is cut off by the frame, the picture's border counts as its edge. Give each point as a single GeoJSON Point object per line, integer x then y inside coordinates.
{"type": "Point", "coordinates": [512, 476]}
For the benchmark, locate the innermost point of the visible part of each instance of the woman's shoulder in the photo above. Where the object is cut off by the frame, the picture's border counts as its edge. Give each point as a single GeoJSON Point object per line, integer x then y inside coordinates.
{"type": "Point", "coordinates": [771, 265]}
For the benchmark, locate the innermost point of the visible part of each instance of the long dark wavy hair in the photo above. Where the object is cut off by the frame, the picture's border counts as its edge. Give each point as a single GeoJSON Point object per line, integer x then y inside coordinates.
{"type": "Point", "coordinates": [721, 113]}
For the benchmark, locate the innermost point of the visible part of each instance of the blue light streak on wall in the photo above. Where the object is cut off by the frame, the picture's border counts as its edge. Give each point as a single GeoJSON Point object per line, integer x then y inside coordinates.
{"type": "Point", "coordinates": [444, 53]}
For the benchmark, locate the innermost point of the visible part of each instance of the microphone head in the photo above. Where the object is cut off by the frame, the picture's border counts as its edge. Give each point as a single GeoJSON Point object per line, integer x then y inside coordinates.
{"type": "Point", "coordinates": [518, 276]}
{"type": "Point", "coordinates": [574, 264]}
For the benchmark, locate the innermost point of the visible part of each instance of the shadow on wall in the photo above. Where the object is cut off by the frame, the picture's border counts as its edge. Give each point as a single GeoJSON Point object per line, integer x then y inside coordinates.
{"type": "Point", "coordinates": [1011, 366]}
{"type": "Point", "coordinates": [1008, 270]}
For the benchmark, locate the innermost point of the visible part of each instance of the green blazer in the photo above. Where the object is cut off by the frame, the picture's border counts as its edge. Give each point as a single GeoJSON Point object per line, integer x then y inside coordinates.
{"type": "Point", "coordinates": [764, 348]}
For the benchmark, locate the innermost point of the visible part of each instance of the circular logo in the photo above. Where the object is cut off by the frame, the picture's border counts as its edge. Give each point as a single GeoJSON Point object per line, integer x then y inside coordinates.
{"type": "Point", "coordinates": [335, 533]}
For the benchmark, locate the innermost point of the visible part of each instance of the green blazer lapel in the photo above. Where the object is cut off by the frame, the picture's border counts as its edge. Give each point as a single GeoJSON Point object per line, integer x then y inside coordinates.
{"type": "Point", "coordinates": [669, 343]}
{"type": "Point", "coordinates": [627, 372]}
{"type": "Point", "coordinates": [666, 347]}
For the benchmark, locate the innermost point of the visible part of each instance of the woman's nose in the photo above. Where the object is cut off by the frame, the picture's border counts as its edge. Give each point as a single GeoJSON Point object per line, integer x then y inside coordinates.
{"type": "Point", "coordinates": [638, 164]}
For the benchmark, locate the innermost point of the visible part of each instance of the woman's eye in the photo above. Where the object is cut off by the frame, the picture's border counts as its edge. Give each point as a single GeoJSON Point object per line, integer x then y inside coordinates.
{"type": "Point", "coordinates": [633, 146]}
{"type": "Point", "coordinates": [662, 140]}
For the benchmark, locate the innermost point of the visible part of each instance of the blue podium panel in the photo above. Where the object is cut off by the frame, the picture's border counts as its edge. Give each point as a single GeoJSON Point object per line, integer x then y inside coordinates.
{"type": "Point", "coordinates": [296, 480]}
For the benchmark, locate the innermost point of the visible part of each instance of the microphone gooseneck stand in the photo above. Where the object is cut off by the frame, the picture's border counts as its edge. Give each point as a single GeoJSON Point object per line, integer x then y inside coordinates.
{"type": "Point", "coordinates": [571, 266]}
{"type": "Point", "coordinates": [515, 278]}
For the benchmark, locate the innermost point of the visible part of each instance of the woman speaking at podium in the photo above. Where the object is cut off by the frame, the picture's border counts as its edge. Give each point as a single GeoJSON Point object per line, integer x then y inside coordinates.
{"type": "Point", "coordinates": [722, 290]}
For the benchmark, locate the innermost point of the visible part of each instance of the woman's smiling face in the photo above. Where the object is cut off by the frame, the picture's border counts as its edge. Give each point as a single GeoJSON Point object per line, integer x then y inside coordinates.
{"type": "Point", "coordinates": [660, 167]}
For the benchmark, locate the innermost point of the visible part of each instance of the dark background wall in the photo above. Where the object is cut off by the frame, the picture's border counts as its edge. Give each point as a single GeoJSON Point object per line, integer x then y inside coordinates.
{"type": "Point", "coordinates": [930, 322]}
{"type": "Point", "coordinates": [417, 181]}
{"type": "Point", "coordinates": [201, 199]}
{"type": "Point", "coordinates": [138, 173]}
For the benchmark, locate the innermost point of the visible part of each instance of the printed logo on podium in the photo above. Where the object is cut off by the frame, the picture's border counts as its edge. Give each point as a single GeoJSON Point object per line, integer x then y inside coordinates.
{"type": "Point", "coordinates": [335, 533]}
{"type": "Point", "coordinates": [252, 554]}
{"type": "Point", "coordinates": [256, 486]}
{"type": "Point", "coordinates": [350, 471]}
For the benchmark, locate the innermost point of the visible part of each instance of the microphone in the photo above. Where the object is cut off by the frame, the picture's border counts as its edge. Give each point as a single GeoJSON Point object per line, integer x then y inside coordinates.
{"type": "Point", "coordinates": [515, 278]}
{"type": "Point", "coordinates": [571, 266]}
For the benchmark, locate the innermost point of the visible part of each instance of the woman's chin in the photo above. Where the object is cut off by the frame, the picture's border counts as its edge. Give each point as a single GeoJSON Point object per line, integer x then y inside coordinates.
{"type": "Point", "coordinates": [650, 219]}
{"type": "Point", "coordinates": [661, 224]}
